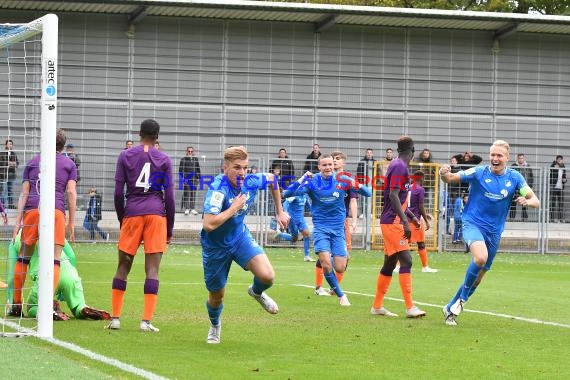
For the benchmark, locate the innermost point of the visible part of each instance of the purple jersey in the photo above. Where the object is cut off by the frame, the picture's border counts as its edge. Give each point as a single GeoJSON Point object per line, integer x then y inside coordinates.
{"type": "Point", "coordinates": [147, 173]}
{"type": "Point", "coordinates": [65, 171]}
{"type": "Point", "coordinates": [396, 178]}
{"type": "Point", "coordinates": [417, 195]}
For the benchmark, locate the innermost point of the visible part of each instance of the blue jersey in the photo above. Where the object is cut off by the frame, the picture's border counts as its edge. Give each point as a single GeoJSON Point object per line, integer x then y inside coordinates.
{"type": "Point", "coordinates": [219, 197]}
{"type": "Point", "coordinates": [458, 208]}
{"type": "Point", "coordinates": [490, 196]}
{"type": "Point", "coordinates": [295, 206]}
{"type": "Point", "coordinates": [327, 200]}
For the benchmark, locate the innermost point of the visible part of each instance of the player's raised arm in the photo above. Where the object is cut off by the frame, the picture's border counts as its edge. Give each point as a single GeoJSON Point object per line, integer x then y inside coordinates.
{"type": "Point", "coordinates": [213, 221]}
{"type": "Point", "coordinates": [447, 176]}
{"type": "Point", "coordinates": [281, 216]}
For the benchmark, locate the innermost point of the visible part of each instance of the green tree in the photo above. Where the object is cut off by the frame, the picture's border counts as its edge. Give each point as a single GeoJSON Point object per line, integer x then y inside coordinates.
{"type": "Point", "coordinates": [547, 7]}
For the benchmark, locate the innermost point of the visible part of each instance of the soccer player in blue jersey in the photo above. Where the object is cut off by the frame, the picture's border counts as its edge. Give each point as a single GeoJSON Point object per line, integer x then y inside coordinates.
{"type": "Point", "coordinates": [147, 215]}
{"type": "Point", "coordinates": [226, 238]}
{"type": "Point", "coordinates": [351, 205]}
{"type": "Point", "coordinates": [491, 190]}
{"type": "Point", "coordinates": [327, 191]}
{"type": "Point", "coordinates": [295, 207]}
{"type": "Point", "coordinates": [396, 233]}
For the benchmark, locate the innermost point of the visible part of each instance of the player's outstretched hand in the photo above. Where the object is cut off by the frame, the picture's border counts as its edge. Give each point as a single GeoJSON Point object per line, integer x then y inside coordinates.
{"type": "Point", "coordinates": [283, 219]}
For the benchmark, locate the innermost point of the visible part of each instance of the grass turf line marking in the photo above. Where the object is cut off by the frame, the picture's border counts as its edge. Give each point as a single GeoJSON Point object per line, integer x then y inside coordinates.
{"type": "Point", "coordinates": [500, 315]}
{"type": "Point", "coordinates": [91, 355]}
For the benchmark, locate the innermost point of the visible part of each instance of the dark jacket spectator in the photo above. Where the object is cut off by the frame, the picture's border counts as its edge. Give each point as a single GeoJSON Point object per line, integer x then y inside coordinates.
{"type": "Point", "coordinates": [467, 160]}
{"type": "Point", "coordinates": [312, 163]}
{"type": "Point", "coordinates": [284, 163]}
{"type": "Point", "coordinates": [366, 166]}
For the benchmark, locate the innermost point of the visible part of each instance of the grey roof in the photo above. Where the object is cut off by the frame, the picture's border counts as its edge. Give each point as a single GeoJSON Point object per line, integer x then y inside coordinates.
{"type": "Point", "coordinates": [321, 15]}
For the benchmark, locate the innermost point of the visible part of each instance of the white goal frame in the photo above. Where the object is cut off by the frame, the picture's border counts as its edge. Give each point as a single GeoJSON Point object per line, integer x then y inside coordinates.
{"type": "Point", "coordinates": [48, 26]}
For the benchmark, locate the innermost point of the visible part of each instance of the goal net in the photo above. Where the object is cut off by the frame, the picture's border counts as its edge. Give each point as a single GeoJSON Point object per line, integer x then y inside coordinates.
{"type": "Point", "coordinates": [28, 107]}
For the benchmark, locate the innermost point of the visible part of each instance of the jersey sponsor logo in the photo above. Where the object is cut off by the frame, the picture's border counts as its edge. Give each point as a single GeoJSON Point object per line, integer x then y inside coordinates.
{"type": "Point", "coordinates": [336, 194]}
{"type": "Point", "coordinates": [217, 199]}
{"type": "Point", "coordinates": [508, 184]}
{"type": "Point", "coordinates": [505, 193]}
{"type": "Point", "coordinates": [496, 196]}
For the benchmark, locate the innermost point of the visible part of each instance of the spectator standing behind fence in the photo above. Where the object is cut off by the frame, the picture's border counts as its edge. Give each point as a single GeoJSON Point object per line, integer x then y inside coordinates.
{"type": "Point", "coordinates": [388, 157]}
{"type": "Point", "coordinates": [72, 154]}
{"type": "Point", "coordinates": [285, 164]}
{"type": "Point", "coordinates": [458, 206]}
{"type": "Point", "coordinates": [129, 144]}
{"type": "Point", "coordinates": [8, 165]}
{"type": "Point", "coordinates": [522, 167]}
{"type": "Point", "coordinates": [467, 160]}
{"type": "Point", "coordinates": [557, 182]}
{"type": "Point", "coordinates": [453, 191]}
{"type": "Point", "coordinates": [190, 167]}
{"type": "Point", "coordinates": [94, 215]}
{"type": "Point", "coordinates": [312, 165]}
{"type": "Point", "coordinates": [365, 168]}
{"type": "Point", "coordinates": [425, 162]}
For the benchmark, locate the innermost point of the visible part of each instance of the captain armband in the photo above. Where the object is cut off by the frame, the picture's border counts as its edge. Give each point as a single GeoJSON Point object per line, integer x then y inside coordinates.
{"type": "Point", "coordinates": [523, 191]}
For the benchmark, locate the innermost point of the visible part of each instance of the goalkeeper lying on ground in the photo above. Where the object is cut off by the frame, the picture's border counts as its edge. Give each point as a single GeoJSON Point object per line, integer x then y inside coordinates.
{"type": "Point", "coordinates": [69, 288]}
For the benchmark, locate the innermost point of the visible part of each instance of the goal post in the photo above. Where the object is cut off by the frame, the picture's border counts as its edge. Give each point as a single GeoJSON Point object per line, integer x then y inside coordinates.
{"type": "Point", "coordinates": [47, 26]}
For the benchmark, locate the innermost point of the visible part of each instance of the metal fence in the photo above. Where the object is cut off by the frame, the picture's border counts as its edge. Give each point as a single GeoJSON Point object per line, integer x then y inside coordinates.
{"type": "Point", "coordinates": [542, 230]}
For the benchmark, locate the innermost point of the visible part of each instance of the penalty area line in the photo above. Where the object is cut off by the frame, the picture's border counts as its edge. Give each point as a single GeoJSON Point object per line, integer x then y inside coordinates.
{"type": "Point", "coordinates": [500, 315]}
{"type": "Point", "coordinates": [89, 354]}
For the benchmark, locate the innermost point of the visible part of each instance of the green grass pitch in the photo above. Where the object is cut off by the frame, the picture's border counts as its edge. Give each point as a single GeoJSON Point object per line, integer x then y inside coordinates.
{"type": "Point", "coordinates": [500, 334]}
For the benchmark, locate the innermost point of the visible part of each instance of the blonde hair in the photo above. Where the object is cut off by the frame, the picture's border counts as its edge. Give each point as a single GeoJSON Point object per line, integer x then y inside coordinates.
{"type": "Point", "coordinates": [235, 153]}
{"type": "Point", "coordinates": [338, 153]}
{"type": "Point", "coordinates": [503, 144]}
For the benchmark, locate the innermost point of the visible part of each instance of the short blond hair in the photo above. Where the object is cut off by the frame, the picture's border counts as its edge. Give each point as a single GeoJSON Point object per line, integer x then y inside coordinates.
{"type": "Point", "coordinates": [338, 153]}
{"type": "Point", "coordinates": [235, 153]}
{"type": "Point", "coordinates": [503, 144]}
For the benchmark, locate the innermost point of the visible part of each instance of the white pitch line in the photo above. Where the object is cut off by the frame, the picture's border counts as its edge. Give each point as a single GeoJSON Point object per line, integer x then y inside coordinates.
{"type": "Point", "coordinates": [90, 354]}
{"type": "Point", "coordinates": [507, 316]}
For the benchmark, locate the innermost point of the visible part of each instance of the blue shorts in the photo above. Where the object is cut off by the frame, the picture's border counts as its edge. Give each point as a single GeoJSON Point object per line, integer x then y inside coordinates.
{"type": "Point", "coordinates": [297, 225]}
{"type": "Point", "coordinates": [472, 233]}
{"type": "Point", "coordinates": [217, 261]}
{"type": "Point", "coordinates": [330, 242]}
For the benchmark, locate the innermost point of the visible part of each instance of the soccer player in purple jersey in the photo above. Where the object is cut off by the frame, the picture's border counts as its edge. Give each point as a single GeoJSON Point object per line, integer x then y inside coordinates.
{"type": "Point", "coordinates": [396, 232]}
{"type": "Point", "coordinates": [147, 215]}
{"type": "Point", "coordinates": [28, 215]}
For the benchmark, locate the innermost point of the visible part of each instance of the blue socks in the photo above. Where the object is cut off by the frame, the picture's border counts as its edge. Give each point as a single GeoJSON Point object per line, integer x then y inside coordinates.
{"type": "Point", "coordinates": [467, 289]}
{"type": "Point", "coordinates": [306, 246]}
{"type": "Point", "coordinates": [258, 286]}
{"type": "Point", "coordinates": [214, 314]}
{"type": "Point", "coordinates": [285, 236]}
{"type": "Point", "coordinates": [333, 283]}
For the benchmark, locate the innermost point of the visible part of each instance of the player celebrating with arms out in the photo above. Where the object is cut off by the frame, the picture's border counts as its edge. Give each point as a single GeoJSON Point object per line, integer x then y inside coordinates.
{"type": "Point", "coordinates": [147, 215]}
{"type": "Point", "coordinates": [226, 238]}
{"type": "Point", "coordinates": [491, 190]}
{"type": "Point", "coordinates": [328, 191]}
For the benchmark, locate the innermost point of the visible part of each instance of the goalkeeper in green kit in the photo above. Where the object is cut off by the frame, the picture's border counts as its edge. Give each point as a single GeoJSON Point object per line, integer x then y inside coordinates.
{"type": "Point", "coordinates": [69, 287]}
